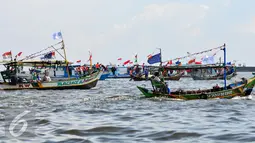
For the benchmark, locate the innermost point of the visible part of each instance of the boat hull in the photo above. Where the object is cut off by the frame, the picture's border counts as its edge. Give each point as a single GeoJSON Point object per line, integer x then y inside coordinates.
{"type": "Point", "coordinates": [79, 83]}
{"type": "Point", "coordinates": [104, 76]}
{"type": "Point", "coordinates": [235, 89]}
{"type": "Point", "coordinates": [213, 77]}
{"type": "Point", "coordinates": [175, 77]}
{"type": "Point", "coordinates": [209, 95]}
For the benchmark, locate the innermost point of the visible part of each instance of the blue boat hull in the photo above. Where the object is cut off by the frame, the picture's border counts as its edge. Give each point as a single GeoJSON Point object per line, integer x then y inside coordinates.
{"type": "Point", "coordinates": [104, 76]}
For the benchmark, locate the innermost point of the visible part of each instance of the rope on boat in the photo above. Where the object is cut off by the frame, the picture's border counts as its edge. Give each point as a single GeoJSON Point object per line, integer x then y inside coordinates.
{"type": "Point", "coordinates": [198, 53]}
{"type": "Point", "coordinates": [34, 55]}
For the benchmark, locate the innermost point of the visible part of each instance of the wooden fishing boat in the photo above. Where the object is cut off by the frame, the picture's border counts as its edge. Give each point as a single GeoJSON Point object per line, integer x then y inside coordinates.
{"type": "Point", "coordinates": [175, 77]}
{"type": "Point", "coordinates": [206, 74]}
{"type": "Point", "coordinates": [235, 89]}
{"type": "Point", "coordinates": [86, 82]}
{"type": "Point", "coordinates": [104, 76]}
{"type": "Point", "coordinates": [12, 80]}
{"type": "Point", "coordinates": [213, 77]}
{"type": "Point", "coordinates": [242, 88]}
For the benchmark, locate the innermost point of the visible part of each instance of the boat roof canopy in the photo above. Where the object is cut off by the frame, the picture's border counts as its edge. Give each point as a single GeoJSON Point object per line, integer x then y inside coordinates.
{"type": "Point", "coordinates": [187, 67]}
{"type": "Point", "coordinates": [37, 63]}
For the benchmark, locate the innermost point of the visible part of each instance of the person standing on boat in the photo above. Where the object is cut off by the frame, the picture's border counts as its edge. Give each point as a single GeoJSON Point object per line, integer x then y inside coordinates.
{"type": "Point", "coordinates": [146, 73]}
{"type": "Point", "coordinates": [97, 65]}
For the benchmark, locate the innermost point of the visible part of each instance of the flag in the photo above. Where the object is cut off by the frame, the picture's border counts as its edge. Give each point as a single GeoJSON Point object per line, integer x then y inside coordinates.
{"type": "Point", "coordinates": [50, 55]}
{"type": "Point", "coordinates": [178, 63]}
{"type": "Point", "coordinates": [130, 62]}
{"type": "Point", "coordinates": [198, 63]}
{"type": "Point", "coordinates": [208, 60]}
{"type": "Point", "coordinates": [57, 35]}
{"type": "Point", "coordinates": [135, 58]}
{"type": "Point", "coordinates": [78, 61]}
{"type": "Point", "coordinates": [90, 59]}
{"type": "Point", "coordinates": [126, 62]}
{"type": "Point", "coordinates": [119, 59]}
{"type": "Point", "coordinates": [19, 53]}
{"type": "Point", "coordinates": [155, 59]}
{"type": "Point", "coordinates": [7, 55]}
{"type": "Point", "coordinates": [170, 62]}
{"type": "Point", "coordinates": [191, 61]}
{"type": "Point", "coordinates": [149, 56]}
{"type": "Point", "coordinates": [90, 56]}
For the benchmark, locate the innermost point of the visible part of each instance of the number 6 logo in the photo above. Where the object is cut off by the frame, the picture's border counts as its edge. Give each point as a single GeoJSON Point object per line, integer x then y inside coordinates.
{"type": "Point", "coordinates": [17, 120]}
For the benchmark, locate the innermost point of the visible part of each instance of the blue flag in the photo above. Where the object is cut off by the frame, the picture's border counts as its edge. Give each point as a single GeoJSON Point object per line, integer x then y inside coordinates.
{"type": "Point", "coordinates": [155, 59]}
{"type": "Point", "coordinates": [57, 35]}
{"type": "Point", "coordinates": [50, 55]}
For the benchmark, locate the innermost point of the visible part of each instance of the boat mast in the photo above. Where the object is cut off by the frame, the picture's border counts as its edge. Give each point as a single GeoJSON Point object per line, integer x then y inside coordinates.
{"type": "Point", "coordinates": [225, 61]}
{"type": "Point", "coordinates": [67, 70]}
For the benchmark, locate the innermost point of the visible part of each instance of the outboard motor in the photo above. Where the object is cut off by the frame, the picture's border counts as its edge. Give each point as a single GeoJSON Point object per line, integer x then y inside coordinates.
{"type": "Point", "coordinates": [248, 91]}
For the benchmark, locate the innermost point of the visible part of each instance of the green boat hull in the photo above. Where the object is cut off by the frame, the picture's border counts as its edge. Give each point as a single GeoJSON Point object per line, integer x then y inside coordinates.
{"type": "Point", "coordinates": [240, 90]}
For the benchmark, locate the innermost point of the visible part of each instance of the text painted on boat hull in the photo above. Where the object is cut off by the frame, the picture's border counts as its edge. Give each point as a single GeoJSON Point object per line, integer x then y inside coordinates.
{"type": "Point", "coordinates": [219, 94]}
{"type": "Point", "coordinates": [73, 82]}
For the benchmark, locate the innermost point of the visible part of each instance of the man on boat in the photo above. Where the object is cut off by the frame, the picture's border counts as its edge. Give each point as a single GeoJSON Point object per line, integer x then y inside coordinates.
{"type": "Point", "coordinates": [146, 74]}
{"type": "Point", "coordinates": [162, 86]}
{"type": "Point", "coordinates": [216, 87]}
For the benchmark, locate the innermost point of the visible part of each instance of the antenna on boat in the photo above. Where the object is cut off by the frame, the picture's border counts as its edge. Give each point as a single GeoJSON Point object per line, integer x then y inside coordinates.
{"type": "Point", "coordinates": [225, 61]}
{"type": "Point", "coordinates": [63, 44]}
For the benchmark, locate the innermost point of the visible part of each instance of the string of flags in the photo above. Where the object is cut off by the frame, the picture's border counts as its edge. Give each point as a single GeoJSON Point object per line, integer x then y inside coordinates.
{"type": "Point", "coordinates": [198, 53]}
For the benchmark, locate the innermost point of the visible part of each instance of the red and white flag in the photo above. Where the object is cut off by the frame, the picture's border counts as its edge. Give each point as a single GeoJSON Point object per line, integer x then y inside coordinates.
{"type": "Point", "coordinates": [18, 55]}
{"type": "Point", "coordinates": [119, 59]}
{"type": "Point", "coordinates": [7, 55]}
{"type": "Point", "coordinates": [78, 61]}
{"type": "Point", "coordinates": [126, 62]}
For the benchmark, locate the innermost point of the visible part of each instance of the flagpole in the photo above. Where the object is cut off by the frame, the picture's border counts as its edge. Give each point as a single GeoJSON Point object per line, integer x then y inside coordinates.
{"type": "Point", "coordinates": [225, 61]}
{"type": "Point", "coordinates": [63, 44]}
{"type": "Point", "coordinates": [160, 57]}
{"type": "Point", "coordinates": [11, 56]}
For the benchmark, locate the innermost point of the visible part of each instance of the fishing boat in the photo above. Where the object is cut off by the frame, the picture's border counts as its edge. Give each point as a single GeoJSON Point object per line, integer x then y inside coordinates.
{"type": "Point", "coordinates": [242, 88]}
{"type": "Point", "coordinates": [117, 72]}
{"type": "Point", "coordinates": [104, 75]}
{"type": "Point", "coordinates": [235, 89]}
{"type": "Point", "coordinates": [206, 74]}
{"type": "Point", "coordinates": [175, 77]}
{"type": "Point", "coordinates": [12, 80]}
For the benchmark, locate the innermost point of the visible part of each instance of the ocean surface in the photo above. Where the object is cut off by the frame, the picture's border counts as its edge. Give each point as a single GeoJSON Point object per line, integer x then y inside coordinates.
{"type": "Point", "coordinates": [116, 112]}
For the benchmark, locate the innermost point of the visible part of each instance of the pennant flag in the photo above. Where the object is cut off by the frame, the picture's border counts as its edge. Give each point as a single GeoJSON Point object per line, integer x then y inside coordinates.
{"type": "Point", "coordinates": [198, 63]}
{"type": "Point", "coordinates": [126, 62]}
{"type": "Point", "coordinates": [7, 55]}
{"type": "Point", "coordinates": [208, 60]}
{"type": "Point", "coordinates": [119, 59]}
{"type": "Point", "coordinates": [178, 63]}
{"type": "Point", "coordinates": [155, 59]}
{"type": "Point", "coordinates": [57, 35]}
{"type": "Point", "coordinates": [130, 62]}
{"type": "Point", "coordinates": [149, 56]}
{"type": "Point", "coordinates": [19, 54]}
{"type": "Point", "coordinates": [50, 55]}
{"type": "Point", "coordinates": [90, 59]}
{"type": "Point", "coordinates": [170, 62]}
{"type": "Point", "coordinates": [191, 61]}
{"type": "Point", "coordinates": [78, 61]}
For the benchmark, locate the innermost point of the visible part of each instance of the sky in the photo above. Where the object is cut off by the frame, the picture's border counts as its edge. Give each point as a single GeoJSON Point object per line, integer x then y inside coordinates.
{"type": "Point", "coordinates": [113, 29]}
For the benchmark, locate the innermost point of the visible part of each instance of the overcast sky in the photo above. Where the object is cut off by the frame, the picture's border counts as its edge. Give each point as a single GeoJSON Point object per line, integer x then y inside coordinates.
{"type": "Point", "coordinates": [114, 29]}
